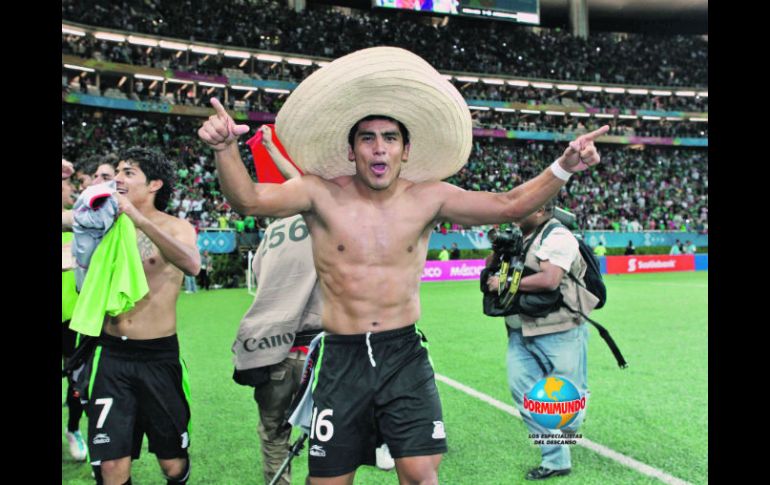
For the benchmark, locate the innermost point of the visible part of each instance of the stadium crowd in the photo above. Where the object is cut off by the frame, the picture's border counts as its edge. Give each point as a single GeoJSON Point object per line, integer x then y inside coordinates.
{"type": "Point", "coordinates": [671, 193]}
{"type": "Point", "coordinates": [323, 31]}
{"type": "Point", "coordinates": [569, 124]}
{"type": "Point", "coordinates": [90, 47]}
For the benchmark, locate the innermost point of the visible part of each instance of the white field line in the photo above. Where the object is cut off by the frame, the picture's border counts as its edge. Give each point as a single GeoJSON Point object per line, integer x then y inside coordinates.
{"type": "Point", "coordinates": [663, 283]}
{"type": "Point", "coordinates": [584, 442]}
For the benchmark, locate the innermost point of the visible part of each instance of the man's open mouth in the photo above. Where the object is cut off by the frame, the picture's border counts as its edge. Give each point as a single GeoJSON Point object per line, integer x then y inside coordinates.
{"type": "Point", "coordinates": [379, 168]}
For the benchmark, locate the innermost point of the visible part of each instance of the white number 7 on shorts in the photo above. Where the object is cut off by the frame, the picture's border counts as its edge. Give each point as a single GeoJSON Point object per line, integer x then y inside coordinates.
{"type": "Point", "coordinates": [107, 403]}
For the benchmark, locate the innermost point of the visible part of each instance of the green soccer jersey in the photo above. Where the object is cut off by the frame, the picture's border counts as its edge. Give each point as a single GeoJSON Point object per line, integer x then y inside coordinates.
{"type": "Point", "coordinates": [69, 294]}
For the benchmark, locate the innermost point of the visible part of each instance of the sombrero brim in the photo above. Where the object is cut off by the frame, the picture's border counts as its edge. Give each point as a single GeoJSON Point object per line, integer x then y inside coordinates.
{"type": "Point", "coordinates": [314, 122]}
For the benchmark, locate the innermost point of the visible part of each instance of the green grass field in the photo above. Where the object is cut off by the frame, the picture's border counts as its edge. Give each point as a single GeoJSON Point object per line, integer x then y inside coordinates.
{"type": "Point", "coordinates": [656, 411]}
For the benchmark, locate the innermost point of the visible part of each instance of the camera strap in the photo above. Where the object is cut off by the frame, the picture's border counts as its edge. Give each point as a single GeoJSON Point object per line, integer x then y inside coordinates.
{"type": "Point", "coordinates": [516, 268]}
{"type": "Point", "coordinates": [605, 334]}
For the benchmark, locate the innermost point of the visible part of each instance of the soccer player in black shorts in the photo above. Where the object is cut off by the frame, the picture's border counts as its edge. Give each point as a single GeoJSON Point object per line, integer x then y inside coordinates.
{"type": "Point", "coordinates": [136, 379]}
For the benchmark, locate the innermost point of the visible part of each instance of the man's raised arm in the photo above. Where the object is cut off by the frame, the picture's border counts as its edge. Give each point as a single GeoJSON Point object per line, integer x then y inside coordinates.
{"type": "Point", "coordinates": [283, 165]}
{"type": "Point", "coordinates": [470, 208]}
{"type": "Point", "coordinates": [279, 200]}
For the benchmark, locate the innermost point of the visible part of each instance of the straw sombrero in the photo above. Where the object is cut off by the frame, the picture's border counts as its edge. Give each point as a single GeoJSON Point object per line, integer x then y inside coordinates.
{"type": "Point", "coordinates": [314, 122]}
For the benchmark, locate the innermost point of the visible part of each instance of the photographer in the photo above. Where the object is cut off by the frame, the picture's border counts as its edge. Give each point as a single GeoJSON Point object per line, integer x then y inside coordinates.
{"type": "Point", "coordinates": [550, 339]}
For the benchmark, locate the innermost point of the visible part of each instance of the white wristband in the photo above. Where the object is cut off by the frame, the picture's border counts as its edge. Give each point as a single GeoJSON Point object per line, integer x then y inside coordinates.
{"type": "Point", "coordinates": [559, 172]}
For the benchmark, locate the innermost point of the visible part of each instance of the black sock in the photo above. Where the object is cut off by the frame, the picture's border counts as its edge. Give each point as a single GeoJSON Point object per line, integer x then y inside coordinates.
{"type": "Point", "coordinates": [75, 411]}
{"type": "Point", "coordinates": [98, 474]}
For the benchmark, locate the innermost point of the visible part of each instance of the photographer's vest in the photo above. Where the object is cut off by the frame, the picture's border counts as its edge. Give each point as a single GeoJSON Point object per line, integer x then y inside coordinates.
{"type": "Point", "coordinates": [287, 305]}
{"type": "Point", "coordinates": [574, 296]}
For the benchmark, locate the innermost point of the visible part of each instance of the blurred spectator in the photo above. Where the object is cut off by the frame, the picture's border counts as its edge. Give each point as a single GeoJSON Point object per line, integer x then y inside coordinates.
{"type": "Point", "coordinates": [455, 252]}
{"type": "Point", "coordinates": [676, 248]}
{"type": "Point", "coordinates": [600, 249]}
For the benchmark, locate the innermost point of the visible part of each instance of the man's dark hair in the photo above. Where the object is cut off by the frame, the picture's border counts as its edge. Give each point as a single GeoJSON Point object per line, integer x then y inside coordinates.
{"type": "Point", "coordinates": [401, 128]}
{"type": "Point", "coordinates": [88, 164]}
{"type": "Point", "coordinates": [155, 166]}
{"type": "Point", "coordinates": [110, 158]}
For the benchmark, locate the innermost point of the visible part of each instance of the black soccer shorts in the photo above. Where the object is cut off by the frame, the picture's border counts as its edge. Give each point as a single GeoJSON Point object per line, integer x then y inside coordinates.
{"type": "Point", "coordinates": [368, 389]}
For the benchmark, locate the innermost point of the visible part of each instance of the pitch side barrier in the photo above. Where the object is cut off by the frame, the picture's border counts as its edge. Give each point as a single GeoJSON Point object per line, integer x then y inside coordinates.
{"type": "Point", "coordinates": [470, 269]}
{"type": "Point", "coordinates": [477, 239]}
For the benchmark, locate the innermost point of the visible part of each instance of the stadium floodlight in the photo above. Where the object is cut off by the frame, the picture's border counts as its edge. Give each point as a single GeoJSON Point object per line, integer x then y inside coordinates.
{"type": "Point", "coordinates": [149, 77]}
{"type": "Point", "coordinates": [567, 87]}
{"type": "Point", "coordinates": [505, 110]}
{"type": "Point", "coordinates": [703, 94]}
{"type": "Point", "coordinates": [604, 115]}
{"type": "Point", "coordinates": [542, 85]}
{"type": "Point", "coordinates": [238, 87]}
{"type": "Point", "coordinates": [555, 113]}
{"type": "Point", "coordinates": [299, 61]}
{"type": "Point", "coordinates": [517, 82]}
{"type": "Point", "coordinates": [78, 68]}
{"type": "Point", "coordinates": [531, 111]}
{"type": "Point", "coordinates": [71, 31]}
{"type": "Point", "coordinates": [277, 91]}
{"type": "Point", "coordinates": [178, 81]}
{"type": "Point", "coordinates": [236, 54]}
{"type": "Point", "coordinates": [479, 108]}
{"type": "Point", "coordinates": [674, 118]}
{"type": "Point", "coordinates": [269, 58]}
{"type": "Point", "coordinates": [132, 39]}
{"type": "Point", "coordinates": [110, 36]}
{"type": "Point", "coordinates": [326, 63]}
{"type": "Point", "coordinates": [177, 46]}
{"type": "Point", "coordinates": [685, 93]}
{"type": "Point", "coordinates": [447, 77]}
{"type": "Point", "coordinates": [615, 90]}
{"type": "Point", "coordinates": [467, 79]}
{"type": "Point", "coordinates": [591, 89]}
{"type": "Point", "coordinates": [638, 91]}
{"type": "Point", "coordinates": [491, 80]}
{"type": "Point", "coordinates": [658, 92]}
{"type": "Point", "coordinates": [211, 85]}
{"type": "Point", "coordinates": [651, 118]}
{"type": "Point", "coordinates": [699, 119]}
{"type": "Point", "coordinates": [199, 49]}
{"type": "Point", "coordinates": [627, 117]}
{"type": "Point", "coordinates": [579, 114]}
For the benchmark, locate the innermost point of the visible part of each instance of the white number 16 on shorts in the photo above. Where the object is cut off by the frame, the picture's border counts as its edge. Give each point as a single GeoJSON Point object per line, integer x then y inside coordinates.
{"type": "Point", "coordinates": [321, 426]}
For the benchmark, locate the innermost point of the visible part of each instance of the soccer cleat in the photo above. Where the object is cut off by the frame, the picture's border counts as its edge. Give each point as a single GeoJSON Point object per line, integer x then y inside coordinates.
{"type": "Point", "coordinates": [384, 460]}
{"type": "Point", "coordinates": [77, 446]}
{"type": "Point", "coordinates": [542, 473]}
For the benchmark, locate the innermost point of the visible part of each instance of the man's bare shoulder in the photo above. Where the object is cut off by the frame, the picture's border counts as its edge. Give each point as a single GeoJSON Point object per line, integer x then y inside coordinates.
{"type": "Point", "coordinates": [172, 223]}
{"type": "Point", "coordinates": [315, 182]}
{"type": "Point", "coordinates": [434, 188]}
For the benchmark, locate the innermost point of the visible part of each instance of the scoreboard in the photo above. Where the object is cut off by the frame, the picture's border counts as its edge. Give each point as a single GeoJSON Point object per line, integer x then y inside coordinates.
{"type": "Point", "coordinates": [523, 11]}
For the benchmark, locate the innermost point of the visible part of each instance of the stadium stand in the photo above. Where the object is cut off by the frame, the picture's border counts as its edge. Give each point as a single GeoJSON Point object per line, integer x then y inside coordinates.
{"type": "Point", "coordinates": [672, 195]}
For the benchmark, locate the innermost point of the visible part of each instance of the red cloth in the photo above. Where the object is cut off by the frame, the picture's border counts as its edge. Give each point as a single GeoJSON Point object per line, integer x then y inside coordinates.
{"type": "Point", "coordinates": [267, 172]}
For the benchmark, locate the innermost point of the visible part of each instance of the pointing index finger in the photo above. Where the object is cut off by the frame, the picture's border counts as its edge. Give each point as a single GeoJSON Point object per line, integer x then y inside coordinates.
{"type": "Point", "coordinates": [596, 134]}
{"type": "Point", "coordinates": [218, 107]}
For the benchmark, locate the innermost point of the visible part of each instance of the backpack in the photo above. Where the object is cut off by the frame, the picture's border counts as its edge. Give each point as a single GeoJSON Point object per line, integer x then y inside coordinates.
{"type": "Point", "coordinates": [592, 280]}
{"type": "Point", "coordinates": [594, 283]}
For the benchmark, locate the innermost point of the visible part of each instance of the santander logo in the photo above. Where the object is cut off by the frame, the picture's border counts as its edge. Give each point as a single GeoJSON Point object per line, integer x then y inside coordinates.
{"type": "Point", "coordinates": [632, 265]}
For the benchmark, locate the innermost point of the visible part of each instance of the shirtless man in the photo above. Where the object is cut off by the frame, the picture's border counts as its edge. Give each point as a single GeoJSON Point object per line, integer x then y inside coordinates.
{"type": "Point", "coordinates": [140, 383]}
{"type": "Point", "coordinates": [370, 235]}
